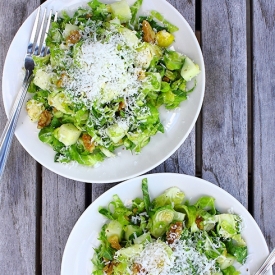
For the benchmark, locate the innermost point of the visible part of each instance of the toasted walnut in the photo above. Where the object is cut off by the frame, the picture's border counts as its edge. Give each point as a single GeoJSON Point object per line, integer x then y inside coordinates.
{"type": "Point", "coordinates": [198, 221]}
{"type": "Point", "coordinates": [141, 75]}
{"type": "Point", "coordinates": [59, 83]}
{"type": "Point", "coordinates": [148, 33]}
{"type": "Point", "coordinates": [44, 119]}
{"type": "Point", "coordinates": [88, 143]}
{"type": "Point", "coordinates": [113, 240]}
{"type": "Point", "coordinates": [137, 269]}
{"type": "Point", "coordinates": [166, 79]}
{"type": "Point", "coordinates": [121, 105]}
{"type": "Point", "coordinates": [73, 37]}
{"type": "Point", "coordinates": [61, 80]}
{"type": "Point", "coordinates": [108, 268]}
{"type": "Point", "coordinates": [174, 232]}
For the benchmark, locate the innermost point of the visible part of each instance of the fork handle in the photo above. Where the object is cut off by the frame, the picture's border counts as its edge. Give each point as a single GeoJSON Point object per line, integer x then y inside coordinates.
{"type": "Point", "coordinates": [7, 135]}
{"type": "Point", "coordinates": [270, 260]}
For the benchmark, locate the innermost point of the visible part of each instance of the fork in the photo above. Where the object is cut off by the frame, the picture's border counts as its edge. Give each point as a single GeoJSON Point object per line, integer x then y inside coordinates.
{"type": "Point", "coordinates": [270, 260]}
{"type": "Point", "coordinates": [37, 47]}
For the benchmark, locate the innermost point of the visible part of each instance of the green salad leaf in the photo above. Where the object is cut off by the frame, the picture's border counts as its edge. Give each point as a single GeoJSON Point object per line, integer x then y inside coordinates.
{"type": "Point", "coordinates": [168, 235]}
{"type": "Point", "coordinates": [108, 72]}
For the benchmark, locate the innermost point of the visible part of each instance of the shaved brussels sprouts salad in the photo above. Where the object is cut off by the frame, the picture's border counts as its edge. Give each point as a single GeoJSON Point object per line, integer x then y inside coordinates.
{"type": "Point", "coordinates": [168, 235]}
{"type": "Point", "coordinates": [108, 72]}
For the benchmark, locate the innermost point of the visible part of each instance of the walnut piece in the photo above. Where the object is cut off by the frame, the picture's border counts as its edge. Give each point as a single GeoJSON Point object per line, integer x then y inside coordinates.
{"type": "Point", "coordinates": [73, 37]}
{"type": "Point", "coordinates": [44, 119]}
{"type": "Point", "coordinates": [148, 33]}
{"type": "Point", "coordinates": [88, 143]}
{"type": "Point", "coordinates": [174, 232]}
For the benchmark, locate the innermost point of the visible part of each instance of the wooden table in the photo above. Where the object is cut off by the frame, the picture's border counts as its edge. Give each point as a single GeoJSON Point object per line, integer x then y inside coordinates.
{"type": "Point", "coordinates": [232, 145]}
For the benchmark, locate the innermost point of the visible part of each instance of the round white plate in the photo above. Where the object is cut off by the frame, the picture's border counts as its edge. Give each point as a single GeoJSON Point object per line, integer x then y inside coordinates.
{"type": "Point", "coordinates": [178, 123]}
{"type": "Point", "coordinates": [83, 238]}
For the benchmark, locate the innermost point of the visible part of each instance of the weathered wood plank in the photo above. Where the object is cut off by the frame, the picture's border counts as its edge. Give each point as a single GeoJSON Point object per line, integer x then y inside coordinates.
{"type": "Point", "coordinates": [187, 9]}
{"type": "Point", "coordinates": [99, 189]}
{"type": "Point", "coordinates": [18, 189]}
{"type": "Point", "coordinates": [224, 113]}
{"type": "Point", "coordinates": [264, 117]}
{"type": "Point", "coordinates": [63, 203]}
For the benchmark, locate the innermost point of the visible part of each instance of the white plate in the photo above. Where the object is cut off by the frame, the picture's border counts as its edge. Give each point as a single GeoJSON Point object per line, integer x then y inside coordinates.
{"type": "Point", "coordinates": [83, 238]}
{"type": "Point", "coordinates": [177, 123]}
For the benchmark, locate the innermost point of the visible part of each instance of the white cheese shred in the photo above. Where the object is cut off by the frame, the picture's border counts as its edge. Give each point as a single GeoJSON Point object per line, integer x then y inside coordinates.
{"type": "Point", "coordinates": [103, 71]}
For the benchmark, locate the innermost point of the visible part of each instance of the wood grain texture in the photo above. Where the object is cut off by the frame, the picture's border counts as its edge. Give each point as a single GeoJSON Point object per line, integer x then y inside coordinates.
{"type": "Point", "coordinates": [264, 117]}
{"type": "Point", "coordinates": [187, 9]}
{"type": "Point", "coordinates": [18, 189]}
{"type": "Point", "coordinates": [18, 214]}
{"type": "Point", "coordinates": [224, 113]}
{"type": "Point", "coordinates": [63, 201]}
{"type": "Point", "coordinates": [99, 189]}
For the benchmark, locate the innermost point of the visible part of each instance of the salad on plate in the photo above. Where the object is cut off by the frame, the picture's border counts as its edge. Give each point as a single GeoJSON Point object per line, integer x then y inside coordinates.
{"type": "Point", "coordinates": [108, 71]}
{"type": "Point", "coordinates": [168, 235]}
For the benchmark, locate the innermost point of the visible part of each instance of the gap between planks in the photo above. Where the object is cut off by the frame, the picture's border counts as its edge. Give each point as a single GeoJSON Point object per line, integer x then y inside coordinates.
{"type": "Point", "coordinates": [249, 37]}
{"type": "Point", "coordinates": [198, 126]}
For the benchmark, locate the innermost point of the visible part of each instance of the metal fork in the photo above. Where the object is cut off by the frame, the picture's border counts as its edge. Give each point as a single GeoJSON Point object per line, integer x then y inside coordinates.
{"type": "Point", "coordinates": [270, 260]}
{"type": "Point", "coordinates": [36, 46]}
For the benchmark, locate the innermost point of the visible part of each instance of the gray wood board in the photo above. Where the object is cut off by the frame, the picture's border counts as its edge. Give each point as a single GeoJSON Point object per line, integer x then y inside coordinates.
{"type": "Point", "coordinates": [18, 189]}
{"type": "Point", "coordinates": [264, 118]}
{"type": "Point", "coordinates": [63, 201]}
{"type": "Point", "coordinates": [224, 113]}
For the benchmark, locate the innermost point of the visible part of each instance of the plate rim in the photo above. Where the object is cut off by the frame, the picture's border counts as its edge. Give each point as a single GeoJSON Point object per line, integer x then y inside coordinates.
{"type": "Point", "coordinates": [185, 178]}
{"type": "Point", "coordinates": [82, 178]}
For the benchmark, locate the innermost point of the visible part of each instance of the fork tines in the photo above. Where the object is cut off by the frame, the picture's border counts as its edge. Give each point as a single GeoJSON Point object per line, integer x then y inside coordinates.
{"type": "Point", "coordinates": [37, 44]}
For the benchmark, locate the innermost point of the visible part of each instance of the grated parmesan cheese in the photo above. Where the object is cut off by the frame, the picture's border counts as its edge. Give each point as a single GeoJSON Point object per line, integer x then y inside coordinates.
{"type": "Point", "coordinates": [188, 259]}
{"type": "Point", "coordinates": [99, 70]}
{"type": "Point", "coordinates": [104, 70]}
{"type": "Point", "coordinates": [180, 257]}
